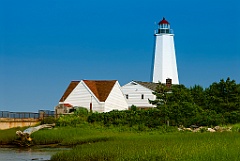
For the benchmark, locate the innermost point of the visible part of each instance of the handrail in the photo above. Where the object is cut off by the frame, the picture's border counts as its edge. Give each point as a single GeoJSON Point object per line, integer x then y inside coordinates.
{"type": "Point", "coordinates": [23, 115]}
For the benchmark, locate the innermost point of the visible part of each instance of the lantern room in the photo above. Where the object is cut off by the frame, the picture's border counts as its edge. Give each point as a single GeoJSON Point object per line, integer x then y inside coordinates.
{"type": "Point", "coordinates": [164, 27]}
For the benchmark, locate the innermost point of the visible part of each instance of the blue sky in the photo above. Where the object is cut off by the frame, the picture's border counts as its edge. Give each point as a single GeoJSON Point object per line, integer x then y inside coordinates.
{"type": "Point", "coordinates": [44, 44]}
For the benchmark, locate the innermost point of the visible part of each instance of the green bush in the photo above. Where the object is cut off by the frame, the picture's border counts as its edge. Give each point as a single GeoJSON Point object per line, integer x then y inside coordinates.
{"type": "Point", "coordinates": [81, 111]}
{"type": "Point", "coordinates": [49, 120]}
{"type": "Point", "coordinates": [142, 119]}
{"type": "Point", "coordinates": [236, 128]}
{"type": "Point", "coordinates": [69, 120]}
{"type": "Point", "coordinates": [133, 108]}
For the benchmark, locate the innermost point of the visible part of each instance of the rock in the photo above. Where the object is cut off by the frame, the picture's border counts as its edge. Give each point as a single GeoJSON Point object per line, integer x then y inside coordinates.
{"type": "Point", "coordinates": [218, 128]}
{"type": "Point", "coordinates": [196, 130]}
{"type": "Point", "coordinates": [193, 126]}
{"type": "Point", "coordinates": [228, 129]}
{"type": "Point", "coordinates": [211, 130]}
{"type": "Point", "coordinates": [179, 129]}
{"type": "Point", "coordinates": [189, 129]}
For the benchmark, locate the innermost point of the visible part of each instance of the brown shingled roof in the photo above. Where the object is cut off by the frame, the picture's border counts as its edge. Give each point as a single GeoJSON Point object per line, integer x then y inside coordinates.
{"type": "Point", "coordinates": [70, 88]}
{"type": "Point", "coordinates": [100, 88]}
{"type": "Point", "coordinates": [149, 85]}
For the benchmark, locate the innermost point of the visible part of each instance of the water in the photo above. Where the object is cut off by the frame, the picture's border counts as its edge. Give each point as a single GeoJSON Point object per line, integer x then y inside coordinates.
{"type": "Point", "coordinates": [28, 154]}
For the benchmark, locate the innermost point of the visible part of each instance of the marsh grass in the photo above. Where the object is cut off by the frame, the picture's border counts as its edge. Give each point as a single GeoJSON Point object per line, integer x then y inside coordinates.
{"type": "Point", "coordinates": [69, 136]}
{"type": "Point", "coordinates": [95, 142]}
{"type": "Point", "coordinates": [9, 136]}
{"type": "Point", "coordinates": [145, 146]}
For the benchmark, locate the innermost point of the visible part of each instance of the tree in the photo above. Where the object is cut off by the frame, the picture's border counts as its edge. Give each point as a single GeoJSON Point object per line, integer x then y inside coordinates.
{"type": "Point", "coordinates": [161, 93]}
{"type": "Point", "coordinates": [198, 95]}
{"type": "Point", "coordinates": [217, 104]}
{"type": "Point", "coordinates": [175, 104]}
{"type": "Point", "coordinates": [162, 96]}
{"type": "Point", "coordinates": [223, 96]}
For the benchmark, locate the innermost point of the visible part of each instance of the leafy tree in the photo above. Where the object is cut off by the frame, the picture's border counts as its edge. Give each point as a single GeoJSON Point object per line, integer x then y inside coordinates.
{"type": "Point", "coordinates": [175, 104]}
{"type": "Point", "coordinates": [198, 95]}
{"type": "Point", "coordinates": [223, 96]}
{"type": "Point", "coordinates": [161, 93]}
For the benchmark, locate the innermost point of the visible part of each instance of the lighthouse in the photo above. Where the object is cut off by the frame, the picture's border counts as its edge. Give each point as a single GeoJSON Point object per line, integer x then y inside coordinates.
{"type": "Point", "coordinates": [164, 58]}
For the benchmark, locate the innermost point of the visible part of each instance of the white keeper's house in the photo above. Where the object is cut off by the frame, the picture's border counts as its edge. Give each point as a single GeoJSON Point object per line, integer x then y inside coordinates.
{"type": "Point", "coordinates": [138, 93]}
{"type": "Point", "coordinates": [95, 95]}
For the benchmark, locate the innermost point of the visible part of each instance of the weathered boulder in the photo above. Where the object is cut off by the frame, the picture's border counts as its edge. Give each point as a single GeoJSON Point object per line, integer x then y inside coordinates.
{"type": "Point", "coordinates": [211, 130]}
{"type": "Point", "coordinates": [218, 128]}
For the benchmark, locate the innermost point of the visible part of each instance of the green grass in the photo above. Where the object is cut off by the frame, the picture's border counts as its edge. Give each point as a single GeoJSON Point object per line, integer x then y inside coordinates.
{"type": "Point", "coordinates": [145, 146]}
{"type": "Point", "coordinates": [94, 142]}
{"type": "Point", "coordinates": [69, 136]}
{"type": "Point", "coordinates": [9, 135]}
{"type": "Point", "coordinates": [236, 127]}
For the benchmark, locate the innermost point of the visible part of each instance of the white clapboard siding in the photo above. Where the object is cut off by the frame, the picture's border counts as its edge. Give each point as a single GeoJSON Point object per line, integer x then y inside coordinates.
{"type": "Point", "coordinates": [82, 96]}
{"type": "Point", "coordinates": [135, 92]}
{"type": "Point", "coordinates": [115, 100]}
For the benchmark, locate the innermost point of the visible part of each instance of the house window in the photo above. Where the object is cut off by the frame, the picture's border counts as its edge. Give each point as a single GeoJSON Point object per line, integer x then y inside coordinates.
{"type": "Point", "coordinates": [126, 96]}
{"type": "Point", "coordinates": [142, 96]}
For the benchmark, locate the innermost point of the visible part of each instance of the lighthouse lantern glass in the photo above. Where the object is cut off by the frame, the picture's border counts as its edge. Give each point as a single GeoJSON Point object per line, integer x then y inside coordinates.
{"type": "Point", "coordinates": [164, 28]}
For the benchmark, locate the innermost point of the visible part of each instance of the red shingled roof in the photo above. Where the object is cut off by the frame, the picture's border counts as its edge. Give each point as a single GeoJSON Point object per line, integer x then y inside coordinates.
{"type": "Point", "coordinates": [67, 105]}
{"type": "Point", "coordinates": [100, 88]}
{"type": "Point", "coordinates": [70, 88]}
{"type": "Point", "coordinates": [163, 21]}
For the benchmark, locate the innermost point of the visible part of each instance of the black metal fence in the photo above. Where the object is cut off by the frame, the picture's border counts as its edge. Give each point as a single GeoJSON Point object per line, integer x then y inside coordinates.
{"type": "Point", "coordinates": [26, 115]}
{"type": "Point", "coordinates": [47, 112]}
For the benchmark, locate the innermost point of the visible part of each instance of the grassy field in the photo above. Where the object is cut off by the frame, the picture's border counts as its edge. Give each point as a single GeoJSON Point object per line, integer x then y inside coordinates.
{"type": "Point", "coordinates": [154, 146]}
{"type": "Point", "coordinates": [123, 144]}
{"type": "Point", "coordinates": [70, 136]}
{"type": "Point", "coordinates": [93, 143]}
{"type": "Point", "coordinates": [8, 136]}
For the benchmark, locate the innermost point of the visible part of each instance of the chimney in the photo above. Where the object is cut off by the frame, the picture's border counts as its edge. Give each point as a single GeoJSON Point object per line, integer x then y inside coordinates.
{"type": "Point", "coordinates": [169, 82]}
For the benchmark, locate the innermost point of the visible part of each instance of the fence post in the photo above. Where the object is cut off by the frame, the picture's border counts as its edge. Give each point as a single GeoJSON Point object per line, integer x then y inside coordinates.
{"type": "Point", "coordinates": [41, 115]}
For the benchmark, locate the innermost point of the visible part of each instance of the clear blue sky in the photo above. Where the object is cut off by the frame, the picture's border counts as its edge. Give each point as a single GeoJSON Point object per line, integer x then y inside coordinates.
{"type": "Point", "coordinates": [44, 44]}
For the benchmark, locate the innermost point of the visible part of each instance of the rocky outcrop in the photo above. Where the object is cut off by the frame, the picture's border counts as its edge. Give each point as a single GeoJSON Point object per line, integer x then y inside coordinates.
{"type": "Point", "coordinates": [194, 128]}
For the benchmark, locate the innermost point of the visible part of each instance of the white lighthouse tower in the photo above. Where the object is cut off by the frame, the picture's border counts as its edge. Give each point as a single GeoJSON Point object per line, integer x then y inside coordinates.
{"type": "Point", "coordinates": [164, 59]}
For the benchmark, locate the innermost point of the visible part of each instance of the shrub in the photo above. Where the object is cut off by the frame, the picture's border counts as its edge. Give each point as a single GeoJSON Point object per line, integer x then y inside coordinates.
{"type": "Point", "coordinates": [69, 120]}
{"type": "Point", "coordinates": [49, 120]}
{"type": "Point", "coordinates": [133, 108]}
{"type": "Point", "coordinates": [236, 128]}
{"type": "Point", "coordinates": [81, 111]}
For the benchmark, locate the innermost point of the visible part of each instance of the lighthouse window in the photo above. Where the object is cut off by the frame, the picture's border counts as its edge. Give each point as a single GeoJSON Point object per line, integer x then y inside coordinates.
{"type": "Point", "coordinates": [162, 30]}
{"type": "Point", "coordinates": [142, 96]}
{"type": "Point", "coordinates": [126, 96]}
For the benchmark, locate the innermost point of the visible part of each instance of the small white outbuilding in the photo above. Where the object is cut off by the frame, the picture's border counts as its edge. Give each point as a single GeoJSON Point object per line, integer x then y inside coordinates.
{"type": "Point", "coordinates": [95, 95]}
